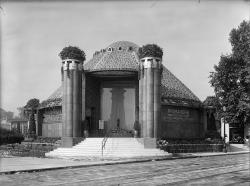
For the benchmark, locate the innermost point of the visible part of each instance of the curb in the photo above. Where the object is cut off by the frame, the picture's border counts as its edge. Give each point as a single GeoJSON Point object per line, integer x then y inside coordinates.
{"type": "Point", "coordinates": [121, 162]}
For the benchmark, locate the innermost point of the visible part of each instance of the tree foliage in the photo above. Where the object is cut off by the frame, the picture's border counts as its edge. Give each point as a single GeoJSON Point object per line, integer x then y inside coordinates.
{"type": "Point", "coordinates": [31, 106]}
{"type": "Point", "coordinates": [71, 52]}
{"type": "Point", "coordinates": [150, 50]}
{"type": "Point", "coordinates": [230, 78]}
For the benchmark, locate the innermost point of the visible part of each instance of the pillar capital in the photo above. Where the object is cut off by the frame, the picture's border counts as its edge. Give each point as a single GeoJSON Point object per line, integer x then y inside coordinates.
{"type": "Point", "coordinates": [72, 64]}
{"type": "Point", "coordinates": [151, 62]}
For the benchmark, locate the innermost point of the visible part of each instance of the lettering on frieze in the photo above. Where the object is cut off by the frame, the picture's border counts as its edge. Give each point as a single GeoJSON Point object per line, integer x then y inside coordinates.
{"type": "Point", "coordinates": [176, 114]}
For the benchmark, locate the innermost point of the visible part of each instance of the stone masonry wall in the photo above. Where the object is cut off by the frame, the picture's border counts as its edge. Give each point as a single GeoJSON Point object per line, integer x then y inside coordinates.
{"type": "Point", "coordinates": [180, 122]}
{"type": "Point", "coordinates": [52, 123]}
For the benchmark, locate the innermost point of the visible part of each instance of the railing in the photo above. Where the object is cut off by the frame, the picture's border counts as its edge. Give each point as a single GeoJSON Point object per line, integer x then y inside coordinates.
{"type": "Point", "coordinates": [104, 141]}
{"type": "Point", "coordinates": [118, 131]}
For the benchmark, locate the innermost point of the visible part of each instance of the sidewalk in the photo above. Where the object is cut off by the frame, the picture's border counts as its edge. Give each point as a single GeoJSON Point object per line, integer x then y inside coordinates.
{"type": "Point", "coordinates": [29, 164]}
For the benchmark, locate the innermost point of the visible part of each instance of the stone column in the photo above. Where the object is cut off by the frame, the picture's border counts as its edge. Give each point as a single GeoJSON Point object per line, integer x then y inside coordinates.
{"type": "Point", "coordinates": [157, 97]}
{"type": "Point", "coordinates": [83, 101]}
{"type": "Point", "coordinates": [72, 102]}
{"type": "Point", "coordinates": [150, 102]}
{"type": "Point", "coordinates": [141, 100]}
{"type": "Point", "coordinates": [144, 105]}
{"type": "Point", "coordinates": [151, 99]}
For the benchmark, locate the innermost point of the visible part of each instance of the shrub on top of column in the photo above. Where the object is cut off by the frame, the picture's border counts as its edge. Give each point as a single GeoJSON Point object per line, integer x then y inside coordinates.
{"type": "Point", "coordinates": [151, 63]}
{"type": "Point", "coordinates": [72, 69]}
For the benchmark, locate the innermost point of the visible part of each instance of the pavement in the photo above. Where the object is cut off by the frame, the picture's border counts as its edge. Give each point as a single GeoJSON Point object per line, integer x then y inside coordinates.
{"type": "Point", "coordinates": [15, 165]}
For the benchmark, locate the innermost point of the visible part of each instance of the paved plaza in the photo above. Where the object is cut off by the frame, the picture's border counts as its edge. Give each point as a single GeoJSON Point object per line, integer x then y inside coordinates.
{"type": "Point", "coordinates": [212, 170]}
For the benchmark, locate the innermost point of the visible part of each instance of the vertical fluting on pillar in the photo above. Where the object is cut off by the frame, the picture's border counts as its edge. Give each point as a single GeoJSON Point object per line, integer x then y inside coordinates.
{"type": "Point", "coordinates": [76, 126]}
{"type": "Point", "coordinates": [157, 95]}
{"type": "Point", "coordinates": [150, 100]}
{"type": "Point", "coordinates": [83, 87]}
{"type": "Point", "coordinates": [69, 100]}
{"type": "Point", "coordinates": [141, 99]}
{"type": "Point", "coordinates": [144, 106]}
{"type": "Point", "coordinates": [64, 96]}
{"type": "Point", "coordinates": [151, 95]}
{"type": "Point", "coordinates": [72, 98]}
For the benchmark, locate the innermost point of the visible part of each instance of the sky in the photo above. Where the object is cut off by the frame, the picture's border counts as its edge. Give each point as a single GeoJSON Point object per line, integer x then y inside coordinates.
{"type": "Point", "coordinates": [193, 36]}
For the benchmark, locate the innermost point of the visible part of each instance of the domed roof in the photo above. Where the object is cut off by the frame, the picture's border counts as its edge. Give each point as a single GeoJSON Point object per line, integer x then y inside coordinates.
{"type": "Point", "coordinates": [119, 56]}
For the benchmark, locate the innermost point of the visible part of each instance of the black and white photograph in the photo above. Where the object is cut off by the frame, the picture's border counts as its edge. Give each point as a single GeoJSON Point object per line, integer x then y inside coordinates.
{"type": "Point", "coordinates": [123, 92]}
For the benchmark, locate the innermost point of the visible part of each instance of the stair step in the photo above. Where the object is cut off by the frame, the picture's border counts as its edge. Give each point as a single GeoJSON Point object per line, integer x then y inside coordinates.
{"type": "Point", "coordinates": [114, 147]}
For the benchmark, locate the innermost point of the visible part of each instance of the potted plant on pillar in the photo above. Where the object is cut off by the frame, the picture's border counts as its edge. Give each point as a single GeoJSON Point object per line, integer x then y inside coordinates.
{"type": "Point", "coordinates": [71, 52]}
{"type": "Point", "coordinates": [150, 50]}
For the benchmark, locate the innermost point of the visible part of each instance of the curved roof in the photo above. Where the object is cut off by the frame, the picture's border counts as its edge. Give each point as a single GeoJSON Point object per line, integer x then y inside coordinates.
{"type": "Point", "coordinates": [122, 56]}
{"type": "Point", "coordinates": [172, 87]}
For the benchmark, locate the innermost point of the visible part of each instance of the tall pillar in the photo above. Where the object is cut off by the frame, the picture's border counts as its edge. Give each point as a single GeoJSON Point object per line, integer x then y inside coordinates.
{"type": "Point", "coordinates": [157, 98]}
{"type": "Point", "coordinates": [144, 105]}
{"type": "Point", "coordinates": [150, 102]}
{"type": "Point", "coordinates": [151, 97]}
{"type": "Point", "coordinates": [72, 100]}
{"type": "Point", "coordinates": [141, 100]}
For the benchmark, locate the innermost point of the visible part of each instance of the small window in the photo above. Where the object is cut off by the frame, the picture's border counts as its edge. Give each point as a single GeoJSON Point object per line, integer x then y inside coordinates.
{"type": "Point", "coordinates": [120, 48]}
{"type": "Point", "coordinates": [130, 48]}
{"type": "Point", "coordinates": [110, 49]}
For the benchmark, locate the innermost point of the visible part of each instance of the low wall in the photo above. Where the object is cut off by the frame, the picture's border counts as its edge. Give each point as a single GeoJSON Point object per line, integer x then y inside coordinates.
{"type": "Point", "coordinates": [188, 148]}
{"type": "Point", "coordinates": [180, 122]}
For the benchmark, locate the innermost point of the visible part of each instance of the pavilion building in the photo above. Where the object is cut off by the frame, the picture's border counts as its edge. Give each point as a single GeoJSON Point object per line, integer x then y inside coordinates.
{"type": "Point", "coordinates": [117, 90]}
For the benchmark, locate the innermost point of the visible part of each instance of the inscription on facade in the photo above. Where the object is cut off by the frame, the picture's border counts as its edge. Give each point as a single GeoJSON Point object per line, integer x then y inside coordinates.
{"type": "Point", "coordinates": [177, 114]}
{"type": "Point", "coordinates": [49, 118]}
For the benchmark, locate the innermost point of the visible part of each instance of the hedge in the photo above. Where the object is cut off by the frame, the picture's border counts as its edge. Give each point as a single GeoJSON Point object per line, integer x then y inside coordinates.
{"type": "Point", "coordinates": [7, 137]}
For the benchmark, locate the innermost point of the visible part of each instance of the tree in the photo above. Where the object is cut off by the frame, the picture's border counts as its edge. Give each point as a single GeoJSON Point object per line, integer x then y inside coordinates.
{"type": "Point", "coordinates": [31, 108]}
{"type": "Point", "coordinates": [230, 78]}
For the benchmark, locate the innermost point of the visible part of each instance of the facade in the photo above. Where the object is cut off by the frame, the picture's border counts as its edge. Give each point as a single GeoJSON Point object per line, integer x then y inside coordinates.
{"type": "Point", "coordinates": [116, 89]}
{"type": "Point", "coordinates": [20, 125]}
{"type": "Point", "coordinates": [5, 124]}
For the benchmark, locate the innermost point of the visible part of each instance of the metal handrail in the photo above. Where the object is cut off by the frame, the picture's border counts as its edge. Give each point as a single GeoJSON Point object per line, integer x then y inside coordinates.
{"type": "Point", "coordinates": [118, 130]}
{"type": "Point", "coordinates": [104, 141]}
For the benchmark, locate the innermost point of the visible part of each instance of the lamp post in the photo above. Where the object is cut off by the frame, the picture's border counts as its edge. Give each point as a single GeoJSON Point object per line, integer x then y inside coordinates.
{"type": "Point", "coordinates": [224, 123]}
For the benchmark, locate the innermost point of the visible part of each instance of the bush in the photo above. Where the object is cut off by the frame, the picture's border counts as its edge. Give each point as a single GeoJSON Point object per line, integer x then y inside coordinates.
{"type": "Point", "coordinates": [7, 137]}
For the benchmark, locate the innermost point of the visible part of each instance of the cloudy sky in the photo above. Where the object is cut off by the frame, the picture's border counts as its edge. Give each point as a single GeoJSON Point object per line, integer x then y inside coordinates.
{"type": "Point", "coordinates": [193, 35]}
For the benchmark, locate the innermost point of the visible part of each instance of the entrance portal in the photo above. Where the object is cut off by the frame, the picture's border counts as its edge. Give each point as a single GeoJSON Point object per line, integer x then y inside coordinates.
{"type": "Point", "coordinates": [118, 107]}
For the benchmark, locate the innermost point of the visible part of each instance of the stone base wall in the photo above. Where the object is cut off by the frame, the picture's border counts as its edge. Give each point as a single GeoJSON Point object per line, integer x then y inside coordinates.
{"type": "Point", "coordinates": [189, 148]}
{"type": "Point", "coordinates": [52, 122]}
{"type": "Point", "coordinates": [52, 129]}
{"type": "Point", "coordinates": [180, 122]}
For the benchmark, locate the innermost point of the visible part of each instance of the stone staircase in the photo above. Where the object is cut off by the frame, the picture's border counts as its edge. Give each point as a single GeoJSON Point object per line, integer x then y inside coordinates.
{"type": "Point", "coordinates": [114, 148]}
{"type": "Point", "coordinates": [238, 147]}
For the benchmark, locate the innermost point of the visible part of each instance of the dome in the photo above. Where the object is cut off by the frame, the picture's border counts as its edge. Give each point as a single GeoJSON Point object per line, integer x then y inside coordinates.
{"type": "Point", "coordinates": [119, 56]}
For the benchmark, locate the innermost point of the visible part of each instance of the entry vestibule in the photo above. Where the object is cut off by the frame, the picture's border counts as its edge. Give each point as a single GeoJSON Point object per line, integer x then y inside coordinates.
{"type": "Point", "coordinates": [118, 104]}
